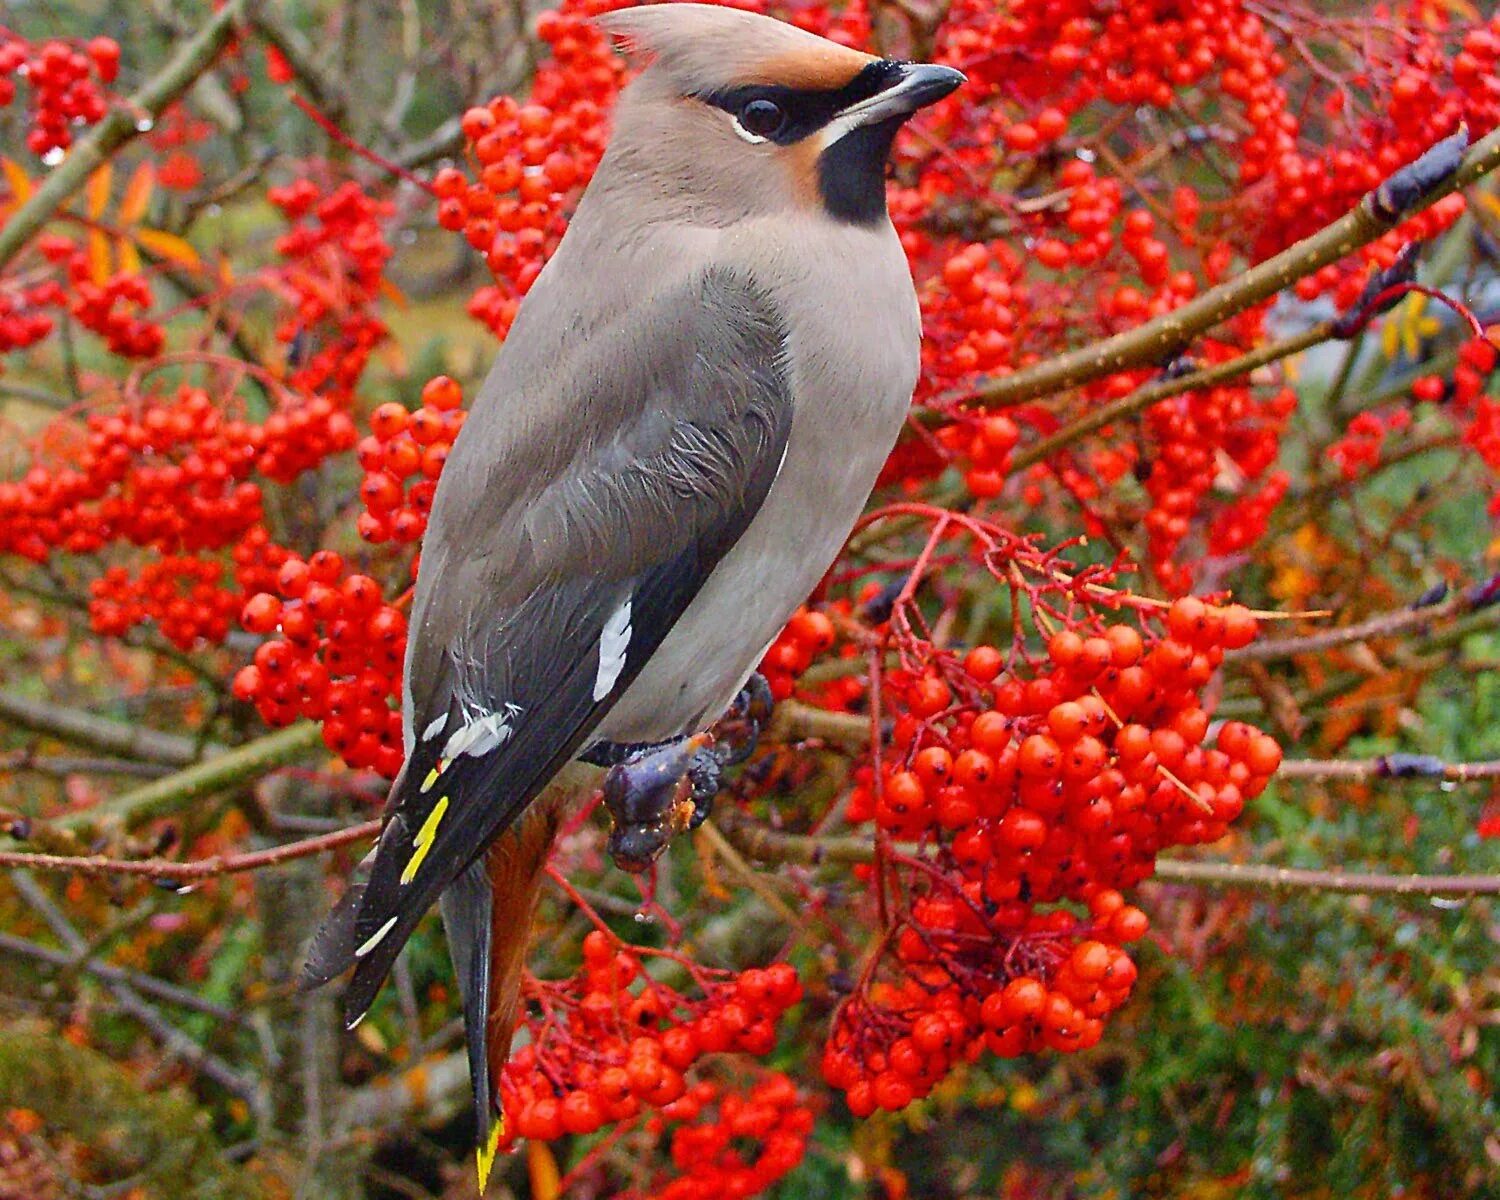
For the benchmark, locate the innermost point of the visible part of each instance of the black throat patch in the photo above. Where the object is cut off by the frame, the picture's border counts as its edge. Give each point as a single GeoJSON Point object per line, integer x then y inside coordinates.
{"type": "Point", "coordinates": [851, 173]}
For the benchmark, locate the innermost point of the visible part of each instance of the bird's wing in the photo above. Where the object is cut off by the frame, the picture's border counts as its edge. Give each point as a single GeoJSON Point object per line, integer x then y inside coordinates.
{"type": "Point", "coordinates": [556, 569]}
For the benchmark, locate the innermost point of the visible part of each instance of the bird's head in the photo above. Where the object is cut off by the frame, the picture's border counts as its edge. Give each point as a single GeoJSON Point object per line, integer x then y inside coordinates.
{"type": "Point", "coordinates": [739, 114]}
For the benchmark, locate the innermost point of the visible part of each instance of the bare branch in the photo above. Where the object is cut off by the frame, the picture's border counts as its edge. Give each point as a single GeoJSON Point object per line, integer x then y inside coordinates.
{"type": "Point", "coordinates": [769, 845]}
{"type": "Point", "coordinates": [1419, 615]}
{"type": "Point", "coordinates": [98, 733]}
{"type": "Point", "coordinates": [197, 868]}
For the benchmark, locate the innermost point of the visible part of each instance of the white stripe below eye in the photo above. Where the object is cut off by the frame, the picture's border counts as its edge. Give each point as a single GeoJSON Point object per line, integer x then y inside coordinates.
{"type": "Point", "coordinates": [614, 641]}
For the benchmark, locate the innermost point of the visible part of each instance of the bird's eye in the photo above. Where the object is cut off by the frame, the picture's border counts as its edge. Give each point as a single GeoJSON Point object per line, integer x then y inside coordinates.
{"type": "Point", "coordinates": [762, 118]}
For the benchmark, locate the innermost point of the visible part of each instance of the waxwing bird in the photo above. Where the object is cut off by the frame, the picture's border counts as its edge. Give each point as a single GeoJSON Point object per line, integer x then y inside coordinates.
{"type": "Point", "coordinates": [676, 438]}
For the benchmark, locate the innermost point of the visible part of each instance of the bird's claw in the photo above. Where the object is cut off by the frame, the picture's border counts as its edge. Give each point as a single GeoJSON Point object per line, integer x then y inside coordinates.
{"type": "Point", "coordinates": [738, 731]}
{"type": "Point", "coordinates": [657, 792]}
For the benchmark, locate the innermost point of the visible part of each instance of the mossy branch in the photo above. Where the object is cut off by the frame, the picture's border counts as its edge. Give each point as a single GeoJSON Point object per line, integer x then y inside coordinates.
{"type": "Point", "coordinates": [121, 125]}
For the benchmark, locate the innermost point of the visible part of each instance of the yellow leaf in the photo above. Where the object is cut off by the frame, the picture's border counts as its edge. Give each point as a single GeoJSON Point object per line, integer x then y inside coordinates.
{"type": "Point", "coordinates": [17, 179]}
{"type": "Point", "coordinates": [168, 246]}
{"type": "Point", "coordinates": [97, 191]}
{"type": "Point", "coordinates": [130, 257]}
{"type": "Point", "coordinates": [137, 196]}
{"type": "Point", "coordinates": [99, 256]}
{"type": "Point", "coordinates": [541, 1166]}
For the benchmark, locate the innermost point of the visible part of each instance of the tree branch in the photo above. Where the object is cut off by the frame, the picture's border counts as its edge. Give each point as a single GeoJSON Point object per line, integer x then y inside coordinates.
{"type": "Point", "coordinates": [146, 985]}
{"type": "Point", "coordinates": [1159, 340]}
{"type": "Point", "coordinates": [99, 733]}
{"type": "Point", "coordinates": [1255, 875]}
{"type": "Point", "coordinates": [1478, 596]}
{"type": "Point", "coordinates": [196, 868]}
{"type": "Point", "coordinates": [769, 845]}
{"type": "Point", "coordinates": [121, 125]}
{"type": "Point", "coordinates": [1164, 389]}
{"type": "Point", "coordinates": [1389, 766]}
{"type": "Point", "coordinates": [176, 1042]}
{"type": "Point", "coordinates": [230, 769]}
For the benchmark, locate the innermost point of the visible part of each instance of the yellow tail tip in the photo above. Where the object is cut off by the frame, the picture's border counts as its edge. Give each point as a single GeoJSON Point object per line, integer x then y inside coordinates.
{"type": "Point", "coordinates": [486, 1154]}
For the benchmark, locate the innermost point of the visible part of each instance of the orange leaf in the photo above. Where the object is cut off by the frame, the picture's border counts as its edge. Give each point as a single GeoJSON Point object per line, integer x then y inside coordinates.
{"type": "Point", "coordinates": [168, 246]}
{"type": "Point", "coordinates": [99, 256]}
{"type": "Point", "coordinates": [97, 191]}
{"type": "Point", "coordinates": [392, 293]}
{"type": "Point", "coordinates": [19, 181]}
{"type": "Point", "coordinates": [137, 196]}
{"type": "Point", "coordinates": [542, 1167]}
{"type": "Point", "coordinates": [130, 257]}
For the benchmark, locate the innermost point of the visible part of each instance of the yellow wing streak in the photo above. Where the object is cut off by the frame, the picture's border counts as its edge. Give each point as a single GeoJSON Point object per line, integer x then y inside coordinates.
{"type": "Point", "coordinates": [486, 1153]}
{"type": "Point", "coordinates": [425, 837]}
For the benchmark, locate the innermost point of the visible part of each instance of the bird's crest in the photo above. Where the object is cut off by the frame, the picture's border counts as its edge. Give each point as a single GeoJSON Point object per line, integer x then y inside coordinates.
{"type": "Point", "coordinates": [704, 47]}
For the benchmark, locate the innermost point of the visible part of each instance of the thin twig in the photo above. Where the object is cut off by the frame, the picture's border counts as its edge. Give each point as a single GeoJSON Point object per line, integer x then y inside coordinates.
{"type": "Point", "coordinates": [1389, 766]}
{"type": "Point", "coordinates": [147, 985]}
{"type": "Point", "coordinates": [98, 733]}
{"type": "Point", "coordinates": [130, 1002]}
{"type": "Point", "coordinates": [1383, 625]}
{"type": "Point", "coordinates": [230, 769]}
{"type": "Point", "coordinates": [197, 868]}
{"type": "Point", "coordinates": [1164, 389]}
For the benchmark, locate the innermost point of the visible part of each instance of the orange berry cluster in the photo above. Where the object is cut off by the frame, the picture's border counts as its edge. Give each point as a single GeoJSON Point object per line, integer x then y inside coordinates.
{"type": "Point", "coordinates": [170, 473]}
{"type": "Point", "coordinates": [1194, 434]}
{"type": "Point", "coordinates": [333, 654]}
{"type": "Point", "coordinates": [65, 86]}
{"type": "Point", "coordinates": [113, 308]}
{"type": "Point", "coordinates": [335, 257]}
{"type": "Point", "coordinates": [894, 1044]}
{"type": "Point", "coordinates": [23, 322]}
{"type": "Point", "coordinates": [806, 636]}
{"type": "Point", "coordinates": [720, 1128]}
{"type": "Point", "coordinates": [1059, 781]}
{"type": "Point", "coordinates": [1364, 438]}
{"type": "Point", "coordinates": [403, 445]}
{"type": "Point", "coordinates": [184, 596]}
{"type": "Point", "coordinates": [532, 161]}
{"type": "Point", "coordinates": [612, 1041]}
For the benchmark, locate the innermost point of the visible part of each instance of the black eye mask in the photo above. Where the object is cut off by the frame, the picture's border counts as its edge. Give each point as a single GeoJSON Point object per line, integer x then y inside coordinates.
{"type": "Point", "coordinates": [802, 110]}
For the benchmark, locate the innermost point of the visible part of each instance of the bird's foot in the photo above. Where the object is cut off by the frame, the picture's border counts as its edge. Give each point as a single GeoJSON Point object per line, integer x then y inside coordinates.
{"type": "Point", "coordinates": [655, 792]}
{"type": "Point", "coordinates": [738, 731]}
{"type": "Point", "coordinates": [658, 792]}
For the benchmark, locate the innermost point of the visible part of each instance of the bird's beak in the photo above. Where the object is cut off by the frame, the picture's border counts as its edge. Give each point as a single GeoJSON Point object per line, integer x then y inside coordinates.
{"type": "Point", "coordinates": [916, 86]}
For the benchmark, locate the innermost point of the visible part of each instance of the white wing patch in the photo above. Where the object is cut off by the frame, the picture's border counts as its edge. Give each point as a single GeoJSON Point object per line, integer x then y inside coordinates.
{"type": "Point", "coordinates": [614, 641]}
{"type": "Point", "coordinates": [479, 737]}
{"type": "Point", "coordinates": [375, 939]}
{"type": "Point", "coordinates": [435, 727]}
